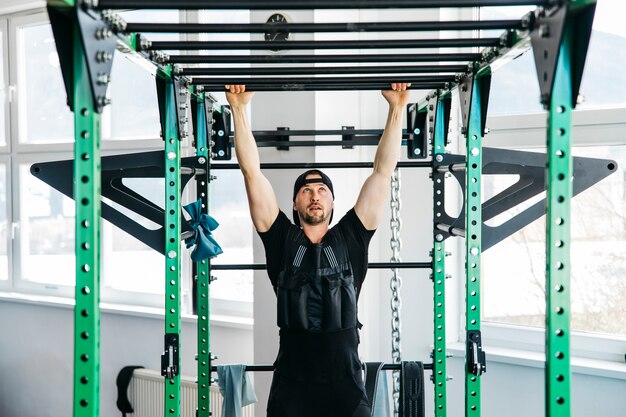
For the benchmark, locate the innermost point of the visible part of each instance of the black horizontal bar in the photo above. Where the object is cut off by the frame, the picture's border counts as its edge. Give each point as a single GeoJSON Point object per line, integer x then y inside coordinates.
{"type": "Point", "coordinates": [328, 132]}
{"type": "Point", "coordinates": [321, 59]}
{"type": "Point", "coordinates": [327, 87]}
{"type": "Point", "coordinates": [324, 70]}
{"type": "Point", "coordinates": [322, 27]}
{"type": "Point", "coordinates": [270, 368]}
{"type": "Point", "coordinates": [324, 165]}
{"type": "Point", "coordinates": [373, 265]}
{"type": "Point", "coordinates": [347, 44]}
{"type": "Point", "coordinates": [417, 79]}
{"type": "Point", "coordinates": [306, 4]}
{"type": "Point", "coordinates": [357, 141]}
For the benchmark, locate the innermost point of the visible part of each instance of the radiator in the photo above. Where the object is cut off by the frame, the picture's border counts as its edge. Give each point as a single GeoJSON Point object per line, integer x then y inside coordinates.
{"type": "Point", "coordinates": [145, 393]}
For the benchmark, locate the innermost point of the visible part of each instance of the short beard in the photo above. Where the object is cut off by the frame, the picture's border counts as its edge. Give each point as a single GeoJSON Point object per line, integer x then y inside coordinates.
{"type": "Point", "coordinates": [313, 220]}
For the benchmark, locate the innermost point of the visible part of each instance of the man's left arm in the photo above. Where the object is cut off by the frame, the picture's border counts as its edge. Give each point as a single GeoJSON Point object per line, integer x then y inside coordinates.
{"type": "Point", "coordinates": [371, 202]}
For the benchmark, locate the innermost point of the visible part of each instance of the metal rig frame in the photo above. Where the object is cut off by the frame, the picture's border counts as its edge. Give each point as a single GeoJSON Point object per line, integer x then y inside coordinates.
{"type": "Point", "coordinates": [87, 34]}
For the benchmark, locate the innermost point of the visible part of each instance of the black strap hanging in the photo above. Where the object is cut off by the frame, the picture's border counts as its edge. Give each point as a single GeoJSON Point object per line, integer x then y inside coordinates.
{"type": "Point", "coordinates": [122, 382]}
{"type": "Point", "coordinates": [412, 390]}
{"type": "Point", "coordinates": [372, 370]}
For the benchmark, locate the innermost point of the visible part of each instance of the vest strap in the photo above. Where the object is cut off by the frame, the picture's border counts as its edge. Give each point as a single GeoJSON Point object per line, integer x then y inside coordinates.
{"type": "Point", "coordinates": [412, 390]}
{"type": "Point", "coordinates": [297, 260]}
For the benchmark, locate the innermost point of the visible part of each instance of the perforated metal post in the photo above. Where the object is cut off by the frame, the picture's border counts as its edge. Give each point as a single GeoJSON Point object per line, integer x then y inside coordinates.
{"type": "Point", "coordinates": [436, 108]}
{"type": "Point", "coordinates": [87, 197]}
{"type": "Point", "coordinates": [473, 250]}
{"type": "Point", "coordinates": [559, 188]}
{"type": "Point", "coordinates": [170, 362]}
{"type": "Point", "coordinates": [202, 126]}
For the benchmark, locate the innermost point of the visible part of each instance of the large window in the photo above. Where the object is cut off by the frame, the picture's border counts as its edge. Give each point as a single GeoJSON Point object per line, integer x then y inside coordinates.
{"type": "Point", "coordinates": [515, 285]}
{"type": "Point", "coordinates": [514, 269]}
{"type": "Point", "coordinates": [37, 253]}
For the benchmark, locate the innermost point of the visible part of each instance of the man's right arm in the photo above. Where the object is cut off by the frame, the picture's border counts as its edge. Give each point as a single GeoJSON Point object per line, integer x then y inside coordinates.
{"type": "Point", "coordinates": [261, 197]}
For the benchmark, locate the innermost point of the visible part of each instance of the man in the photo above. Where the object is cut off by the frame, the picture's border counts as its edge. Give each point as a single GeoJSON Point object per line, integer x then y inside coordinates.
{"type": "Point", "coordinates": [317, 271]}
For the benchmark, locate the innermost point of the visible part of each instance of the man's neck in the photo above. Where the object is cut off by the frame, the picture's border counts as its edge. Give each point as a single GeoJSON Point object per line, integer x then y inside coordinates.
{"type": "Point", "coordinates": [315, 233]}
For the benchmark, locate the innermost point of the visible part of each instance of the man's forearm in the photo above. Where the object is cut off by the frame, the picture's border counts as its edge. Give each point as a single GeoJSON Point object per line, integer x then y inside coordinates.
{"type": "Point", "coordinates": [245, 145]}
{"type": "Point", "coordinates": [388, 151]}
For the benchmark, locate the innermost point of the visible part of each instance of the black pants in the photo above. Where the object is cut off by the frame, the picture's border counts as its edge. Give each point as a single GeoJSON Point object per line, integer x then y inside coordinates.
{"type": "Point", "coordinates": [342, 398]}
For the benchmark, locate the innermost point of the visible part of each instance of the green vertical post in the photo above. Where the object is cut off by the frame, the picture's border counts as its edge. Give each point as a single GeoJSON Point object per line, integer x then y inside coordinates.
{"type": "Point", "coordinates": [559, 189]}
{"type": "Point", "coordinates": [439, 279]}
{"type": "Point", "coordinates": [172, 241]}
{"type": "Point", "coordinates": [473, 226]}
{"type": "Point", "coordinates": [87, 198]}
{"type": "Point", "coordinates": [203, 268]}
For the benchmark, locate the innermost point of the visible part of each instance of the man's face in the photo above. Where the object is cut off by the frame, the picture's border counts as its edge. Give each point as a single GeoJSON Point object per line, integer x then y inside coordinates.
{"type": "Point", "coordinates": [314, 202]}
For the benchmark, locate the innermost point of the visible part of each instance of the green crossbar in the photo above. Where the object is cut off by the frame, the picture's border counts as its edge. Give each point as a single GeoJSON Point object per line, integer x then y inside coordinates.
{"type": "Point", "coordinates": [559, 189]}
{"type": "Point", "coordinates": [87, 199]}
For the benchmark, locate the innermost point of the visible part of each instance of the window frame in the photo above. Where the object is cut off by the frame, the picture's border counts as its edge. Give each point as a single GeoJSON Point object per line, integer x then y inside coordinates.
{"type": "Point", "coordinates": [529, 131]}
{"type": "Point", "coordinates": [15, 154]}
{"type": "Point", "coordinates": [6, 161]}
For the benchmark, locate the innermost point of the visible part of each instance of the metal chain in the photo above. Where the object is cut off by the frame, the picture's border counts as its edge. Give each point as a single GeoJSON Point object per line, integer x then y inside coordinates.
{"type": "Point", "coordinates": [395, 283]}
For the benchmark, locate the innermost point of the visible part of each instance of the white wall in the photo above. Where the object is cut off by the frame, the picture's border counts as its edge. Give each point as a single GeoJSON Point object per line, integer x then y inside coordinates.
{"type": "Point", "coordinates": [37, 348]}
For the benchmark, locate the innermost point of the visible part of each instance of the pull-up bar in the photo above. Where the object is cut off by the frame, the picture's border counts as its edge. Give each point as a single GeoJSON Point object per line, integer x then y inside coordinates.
{"type": "Point", "coordinates": [322, 27]}
{"type": "Point", "coordinates": [324, 70]}
{"type": "Point", "coordinates": [417, 79]}
{"type": "Point", "coordinates": [306, 5]}
{"type": "Point", "coordinates": [300, 45]}
{"type": "Point", "coordinates": [321, 59]}
{"type": "Point", "coordinates": [288, 85]}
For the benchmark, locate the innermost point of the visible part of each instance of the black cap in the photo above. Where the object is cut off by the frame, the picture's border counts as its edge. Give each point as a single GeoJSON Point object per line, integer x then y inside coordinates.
{"type": "Point", "coordinates": [302, 180]}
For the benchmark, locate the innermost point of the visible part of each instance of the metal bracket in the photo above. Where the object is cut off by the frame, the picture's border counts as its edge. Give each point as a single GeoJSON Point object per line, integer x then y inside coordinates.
{"type": "Point", "coordinates": [183, 107]}
{"type": "Point", "coordinates": [220, 135]}
{"type": "Point", "coordinates": [546, 38]}
{"type": "Point", "coordinates": [530, 167]}
{"type": "Point", "coordinates": [348, 137]}
{"type": "Point", "coordinates": [475, 358]}
{"type": "Point", "coordinates": [170, 362]}
{"type": "Point", "coordinates": [417, 141]}
{"type": "Point", "coordinates": [465, 97]}
{"type": "Point", "coordinates": [59, 174]}
{"type": "Point", "coordinates": [98, 44]}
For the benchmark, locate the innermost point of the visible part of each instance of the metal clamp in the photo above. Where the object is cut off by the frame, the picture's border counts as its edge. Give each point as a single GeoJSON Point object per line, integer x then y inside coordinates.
{"type": "Point", "coordinates": [169, 358]}
{"type": "Point", "coordinates": [476, 361]}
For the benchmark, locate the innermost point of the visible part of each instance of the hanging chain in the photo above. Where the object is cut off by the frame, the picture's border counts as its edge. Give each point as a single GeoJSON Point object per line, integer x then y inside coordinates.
{"type": "Point", "coordinates": [395, 283]}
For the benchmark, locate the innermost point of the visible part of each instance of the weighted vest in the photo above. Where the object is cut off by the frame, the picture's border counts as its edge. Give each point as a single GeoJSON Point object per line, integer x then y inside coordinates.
{"type": "Point", "coordinates": [315, 288]}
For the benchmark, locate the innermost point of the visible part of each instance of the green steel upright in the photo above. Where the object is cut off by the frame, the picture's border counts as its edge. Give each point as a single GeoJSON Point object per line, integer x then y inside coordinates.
{"type": "Point", "coordinates": [171, 136]}
{"type": "Point", "coordinates": [560, 42]}
{"type": "Point", "coordinates": [87, 200]}
{"type": "Point", "coordinates": [475, 89]}
{"type": "Point", "coordinates": [436, 108]}
{"type": "Point", "coordinates": [203, 111]}
{"type": "Point", "coordinates": [85, 50]}
{"type": "Point", "coordinates": [559, 185]}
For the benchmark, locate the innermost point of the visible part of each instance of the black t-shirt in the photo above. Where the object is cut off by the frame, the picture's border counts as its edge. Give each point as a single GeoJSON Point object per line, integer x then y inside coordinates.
{"type": "Point", "coordinates": [318, 356]}
{"type": "Point", "coordinates": [356, 236]}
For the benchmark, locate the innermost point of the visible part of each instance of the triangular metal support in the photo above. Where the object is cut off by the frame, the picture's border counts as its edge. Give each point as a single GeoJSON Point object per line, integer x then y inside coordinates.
{"type": "Point", "coordinates": [98, 45]}
{"type": "Point", "coordinates": [530, 166]}
{"type": "Point", "coordinates": [59, 175]}
{"type": "Point", "coordinates": [465, 97]}
{"type": "Point", "coordinates": [546, 38]}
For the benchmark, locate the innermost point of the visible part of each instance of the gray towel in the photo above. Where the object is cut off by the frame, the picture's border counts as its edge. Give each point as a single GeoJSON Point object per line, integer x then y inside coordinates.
{"type": "Point", "coordinates": [381, 404]}
{"type": "Point", "coordinates": [236, 388]}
